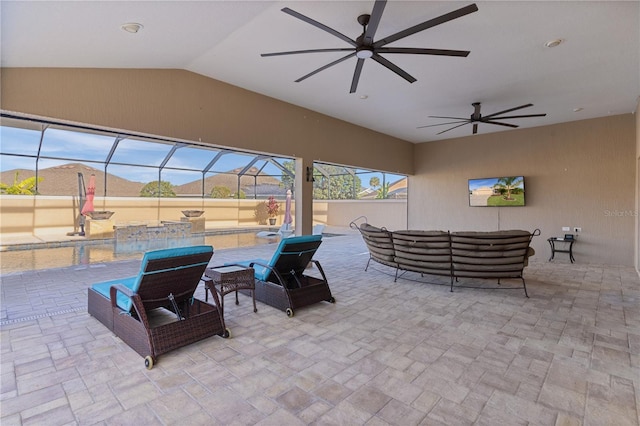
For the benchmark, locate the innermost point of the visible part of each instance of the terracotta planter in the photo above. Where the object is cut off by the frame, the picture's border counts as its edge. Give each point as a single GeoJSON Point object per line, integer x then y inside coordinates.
{"type": "Point", "coordinates": [272, 221]}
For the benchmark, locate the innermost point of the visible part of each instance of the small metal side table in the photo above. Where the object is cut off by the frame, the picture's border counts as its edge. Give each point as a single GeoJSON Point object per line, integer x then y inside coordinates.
{"type": "Point", "coordinates": [564, 249]}
{"type": "Point", "coordinates": [227, 279]}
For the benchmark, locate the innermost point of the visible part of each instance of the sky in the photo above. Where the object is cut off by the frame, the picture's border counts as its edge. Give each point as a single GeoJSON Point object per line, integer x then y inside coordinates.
{"type": "Point", "coordinates": [486, 183]}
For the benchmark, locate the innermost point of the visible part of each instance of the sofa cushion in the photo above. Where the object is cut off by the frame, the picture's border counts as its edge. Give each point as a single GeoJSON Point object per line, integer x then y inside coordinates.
{"type": "Point", "coordinates": [489, 254]}
{"type": "Point", "coordinates": [423, 251]}
{"type": "Point", "coordinates": [379, 242]}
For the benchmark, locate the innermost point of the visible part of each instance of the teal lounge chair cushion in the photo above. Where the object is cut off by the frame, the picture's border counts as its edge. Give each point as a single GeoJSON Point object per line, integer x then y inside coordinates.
{"type": "Point", "coordinates": [133, 283]}
{"type": "Point", "coordinates": [123, 302]}
{"type": "Point", "coordinates": [262, 273]}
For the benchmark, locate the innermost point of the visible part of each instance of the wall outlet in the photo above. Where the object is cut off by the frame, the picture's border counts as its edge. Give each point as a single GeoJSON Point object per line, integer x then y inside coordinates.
{"type": "Point", "coordinates": [576, 230]}
{"type": "Point", "coordinates": [566, 228]}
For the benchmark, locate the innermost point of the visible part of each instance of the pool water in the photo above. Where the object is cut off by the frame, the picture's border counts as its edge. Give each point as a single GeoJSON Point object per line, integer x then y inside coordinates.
{"type": "Point", "coordinates": [87, 252]}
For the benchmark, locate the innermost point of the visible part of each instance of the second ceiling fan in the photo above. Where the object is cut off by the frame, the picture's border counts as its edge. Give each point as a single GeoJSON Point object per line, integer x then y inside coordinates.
{"type": "Point", "coordinates": [364, 46]}
{"type": "Point", "coordinates": [476, 118]}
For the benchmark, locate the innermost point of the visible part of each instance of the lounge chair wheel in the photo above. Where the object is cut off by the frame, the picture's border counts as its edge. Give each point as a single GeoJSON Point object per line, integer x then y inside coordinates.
{"type": "Point", "coordinates": [148, 362]}
{"type": "Point", "coordinates": [227, 333]}
{"type": "Point", "coordinates": [289, 312]}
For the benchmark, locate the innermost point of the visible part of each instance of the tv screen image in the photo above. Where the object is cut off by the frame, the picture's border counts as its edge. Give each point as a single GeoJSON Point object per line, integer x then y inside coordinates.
{"type": "Point", "coordinates": [506, 191]}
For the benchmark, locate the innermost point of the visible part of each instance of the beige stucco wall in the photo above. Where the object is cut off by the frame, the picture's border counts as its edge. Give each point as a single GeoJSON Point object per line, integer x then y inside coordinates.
{"type": "Point", "coordinates": [184, 105]}
{"type": "Point", "coordinates": [577, 174]}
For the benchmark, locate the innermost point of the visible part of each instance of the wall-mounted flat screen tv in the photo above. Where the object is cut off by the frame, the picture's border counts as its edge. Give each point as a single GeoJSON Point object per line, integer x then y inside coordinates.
{"type": "Point", "coordinates": [506, 191]}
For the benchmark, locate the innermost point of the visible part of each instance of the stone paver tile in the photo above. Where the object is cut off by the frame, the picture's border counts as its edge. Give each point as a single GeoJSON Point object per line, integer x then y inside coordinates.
{"type": "Point", "coordinates": [314, 412]}
{"type": "Point", "coordinates": [345, 413]}
{"type": "Point", "coordinates": [19, 403]}
{"type": "Point", "coordinates": [60, 415]}
{"type": "Point", "coordinates": [522, 409]}
{"type": "Point", "coordinates": [295, 399]}
{"type": "Point", "coordinates": [396, 412]}
{"type": "Point", "coordinates": [559, 398]}
{"type": "Point", "coordinates": [369, 399]}
{"type": "Point", "coordinates": [138, 415]}
{"type": "Point", "coordinates": [332, 392]}
{"type": "Point", "coordinates": [281, 417]}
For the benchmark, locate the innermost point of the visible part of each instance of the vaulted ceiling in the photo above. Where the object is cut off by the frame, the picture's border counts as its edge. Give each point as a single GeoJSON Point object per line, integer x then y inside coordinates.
{"type": "Point", "coordinates": [593, 72]}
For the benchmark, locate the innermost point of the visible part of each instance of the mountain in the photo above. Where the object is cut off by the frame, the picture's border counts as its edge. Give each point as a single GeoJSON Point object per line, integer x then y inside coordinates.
{"type": "Point", "coordinates": [63, 180]}
{"type": "Point", "coordinates": [262, 184]}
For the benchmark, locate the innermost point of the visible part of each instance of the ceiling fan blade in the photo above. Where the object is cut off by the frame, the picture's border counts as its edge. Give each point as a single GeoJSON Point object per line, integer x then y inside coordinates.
{"type": "Point", "coordinates": [453, 118]}
{"type": "Point", "coordinates": [337, 61]}
{"type": "Point", "coordinates": [374, 20]}
{"type": "Point", "coordinates": [442, 124]}
{"type": "Point", "coordinates": [499, 124]}
{"type": "Point", "coordinates": [418, 51]}
{"type": "Point", "coordinates": [356, 75]}
{"type": "Point", "coordinates": [508, 110]}
{"type": "Point", "coordinates": [427, 24]}
{"type": "Point", "coordinates": [475, 128]}
{"type": "Point", "coordinates": [521, 116]}
{"type": "Point", "coordinates": [454, 127]}
{"type": "Point", "coordinates": [382, 61]}
{"type": "Point", "coordinates": [319, 25]}
{"type": "Point", "coordinates": [294, 52]}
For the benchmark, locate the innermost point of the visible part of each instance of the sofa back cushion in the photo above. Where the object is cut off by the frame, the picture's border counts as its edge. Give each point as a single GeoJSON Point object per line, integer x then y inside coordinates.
{"type": "Point", "coordinates": [427, 252]}
{"type": "Point", "coordinates": [379, 242]}
{"type": "Point", "coordinates": [495, 254]}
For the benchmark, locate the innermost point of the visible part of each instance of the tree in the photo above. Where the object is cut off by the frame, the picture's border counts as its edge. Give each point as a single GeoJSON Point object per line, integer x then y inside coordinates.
{"type": "Point", "coordinates": [374, 182]}
{"type": "Point", "coordinates": [157, 189]}
{"type": "Point", "coordinates": [220, 192]}
{"type": "Point", "coordinates": [508, 185]}
{"type": "Point", "coordinates": [338, 185]}
{"type": "Point", "coordinates": [288, 181]}
{"type": "Point", "coordinates": [25, 187]}
{"type": "Point", "coordinates": [383, 193]}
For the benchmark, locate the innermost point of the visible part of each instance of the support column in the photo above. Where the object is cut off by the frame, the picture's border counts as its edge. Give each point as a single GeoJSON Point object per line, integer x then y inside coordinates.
{"type": "Point", "coordinates": [304, 196]}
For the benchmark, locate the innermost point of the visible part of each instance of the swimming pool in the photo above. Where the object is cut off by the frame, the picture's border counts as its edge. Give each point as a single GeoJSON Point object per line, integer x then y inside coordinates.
{"type": "Point", "coordinates": [71, 253]}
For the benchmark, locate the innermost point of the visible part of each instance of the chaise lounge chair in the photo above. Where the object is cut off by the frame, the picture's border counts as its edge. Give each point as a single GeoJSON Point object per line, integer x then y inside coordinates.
{"type": "Point", "coordinates": [282, 283]}
{"type": "Point", "coordinates": [155, 312]}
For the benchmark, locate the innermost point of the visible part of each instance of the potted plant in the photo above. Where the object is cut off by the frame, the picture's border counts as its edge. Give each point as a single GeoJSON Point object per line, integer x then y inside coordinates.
{"type": "Point", "coordinates": [272, 209]}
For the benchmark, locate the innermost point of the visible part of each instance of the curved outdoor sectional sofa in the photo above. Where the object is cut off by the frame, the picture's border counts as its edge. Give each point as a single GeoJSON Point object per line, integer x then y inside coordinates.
{"type": "Point", "coordinates": [493, 254]}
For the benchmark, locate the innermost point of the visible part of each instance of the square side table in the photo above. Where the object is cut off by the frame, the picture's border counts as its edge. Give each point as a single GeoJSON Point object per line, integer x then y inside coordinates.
{"type": "Point", "coordinates": [227, 279]}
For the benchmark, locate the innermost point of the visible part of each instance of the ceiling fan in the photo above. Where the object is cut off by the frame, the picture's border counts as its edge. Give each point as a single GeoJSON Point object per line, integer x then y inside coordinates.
{"type": "Point", "coordinates": [476, 118]}
{"type": "Point", "coordinates": [364, 46]}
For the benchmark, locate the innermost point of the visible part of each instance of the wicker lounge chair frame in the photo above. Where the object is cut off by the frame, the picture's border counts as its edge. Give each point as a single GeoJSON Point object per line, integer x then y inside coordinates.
{"type": "Point", "coordinates": [166, 288]}
{"type": "Point", "coordinates": [283, 283]}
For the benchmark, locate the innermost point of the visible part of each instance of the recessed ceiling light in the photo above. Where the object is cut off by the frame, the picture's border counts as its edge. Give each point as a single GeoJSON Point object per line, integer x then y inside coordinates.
{"type": "Point", "coordinates": [577, 109]}
{"type": "Point", "coordinates": [132, 27]}
{"type": "Point", "coordinates": [364, 96]}
{"type": "Point", "coordinates": [553, 43]}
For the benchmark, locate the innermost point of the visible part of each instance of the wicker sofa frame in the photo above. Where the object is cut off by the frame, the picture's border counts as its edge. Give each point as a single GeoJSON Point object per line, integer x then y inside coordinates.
{"type": "Point", "coordinates": [485, 255]}
{"type": "Point", "coordinates": [155, 312]}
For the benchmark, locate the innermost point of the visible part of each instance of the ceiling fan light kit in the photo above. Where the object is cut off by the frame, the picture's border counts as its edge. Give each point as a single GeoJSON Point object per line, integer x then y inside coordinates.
{"type": "Point", "coordinates": [364, 46]}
